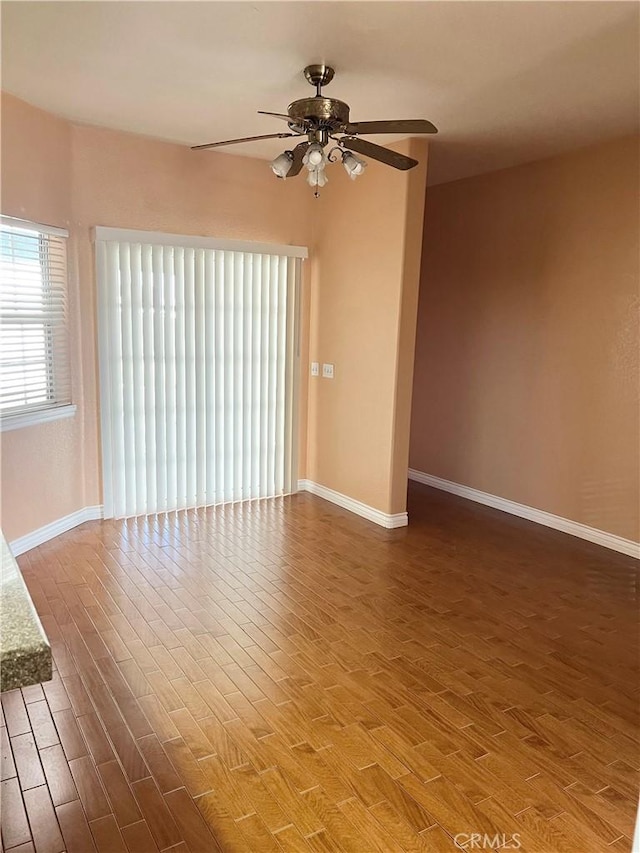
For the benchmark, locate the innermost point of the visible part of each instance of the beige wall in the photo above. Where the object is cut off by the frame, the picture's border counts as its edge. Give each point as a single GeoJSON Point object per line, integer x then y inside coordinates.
{"type": "Point", "coordinates": [41, 466]}
{"type": "Point", "coordinates": [526, 375]}
{"type": "Point", "coordinates": [78, 177]}
{"type": "Point", "coordinates": [366, 260]}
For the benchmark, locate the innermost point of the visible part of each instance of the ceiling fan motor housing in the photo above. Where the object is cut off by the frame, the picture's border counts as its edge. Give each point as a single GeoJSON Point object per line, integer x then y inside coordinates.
{"type": "Point", "coordinates": [320, 111]}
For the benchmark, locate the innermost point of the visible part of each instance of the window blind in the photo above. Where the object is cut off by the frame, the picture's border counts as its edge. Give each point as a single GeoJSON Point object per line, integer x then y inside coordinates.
{"type": "Point", "coordinates": [198, 366]}
{"type": "Point", "coordinates": [34, 342]}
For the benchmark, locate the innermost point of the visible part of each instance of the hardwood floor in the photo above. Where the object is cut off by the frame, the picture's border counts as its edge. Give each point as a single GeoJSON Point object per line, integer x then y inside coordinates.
{"type": "Point", "coordinates": [282, 675]}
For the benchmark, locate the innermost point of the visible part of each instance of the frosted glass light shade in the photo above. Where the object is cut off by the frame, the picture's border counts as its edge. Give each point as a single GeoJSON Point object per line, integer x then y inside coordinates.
{"type": "Point", "coordinates": [353, 165]}
{"type": "Point", "coordinates": [317, 178]}
{"type": "Point", "coordinates": [281, 166]}
{"type": "Point", "coordinates": [315, 158]}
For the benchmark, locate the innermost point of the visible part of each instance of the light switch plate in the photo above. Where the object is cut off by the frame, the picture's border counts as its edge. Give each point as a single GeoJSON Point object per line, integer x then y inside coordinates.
{"type": "Point", "coordinates": [327, 371]}
{"type": "Point", "coordinates": [315, 368]}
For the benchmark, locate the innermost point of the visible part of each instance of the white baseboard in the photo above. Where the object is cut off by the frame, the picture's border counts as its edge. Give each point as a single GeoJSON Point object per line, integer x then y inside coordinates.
{"type": "Point", "coordinates": [573, 528]}
{"type": "Point", "coordinates": [384, 519]}
{"type": "Point", "coordinates": [390, 521]}
{"type": "Point", "coordinates": [53, 529]}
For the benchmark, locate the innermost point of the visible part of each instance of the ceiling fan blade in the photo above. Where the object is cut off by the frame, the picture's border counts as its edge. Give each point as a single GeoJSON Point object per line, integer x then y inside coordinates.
{"type": "Point", "coordinates": [377, 152]}
{"type": "Point", "coordinates": [244, 139]}
{"type": "Point", "coordinates": [410, 125]}
{"type": "Point", "coordinates": [275, 115]}
{"type": "Point", "coordinates": [296, 164]}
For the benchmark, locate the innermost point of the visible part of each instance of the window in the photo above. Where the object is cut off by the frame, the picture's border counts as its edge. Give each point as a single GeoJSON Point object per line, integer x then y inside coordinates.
{"type": "Point", "coordinates": [34, 348]}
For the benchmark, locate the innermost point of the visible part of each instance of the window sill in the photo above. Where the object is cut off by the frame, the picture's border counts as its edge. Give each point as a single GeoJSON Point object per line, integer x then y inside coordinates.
{"type": "Point", "coordinates": [25, 419]}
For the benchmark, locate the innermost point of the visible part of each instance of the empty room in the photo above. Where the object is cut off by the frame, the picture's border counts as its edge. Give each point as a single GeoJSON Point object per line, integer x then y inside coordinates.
{"type": "Point", "coordinates": [319, 426]}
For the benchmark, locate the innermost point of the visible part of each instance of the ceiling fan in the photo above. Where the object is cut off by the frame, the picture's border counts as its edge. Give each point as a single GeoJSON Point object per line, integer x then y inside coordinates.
{"type": "Point", "coordinates": [321, 119]}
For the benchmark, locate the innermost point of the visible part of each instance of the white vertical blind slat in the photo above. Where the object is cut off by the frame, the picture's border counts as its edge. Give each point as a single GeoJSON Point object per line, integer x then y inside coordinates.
{"type": "Point", "coordinates": [179, 264]}
{"type": "Point", "coordinates": [229, 401]}
{"type": "Point", "coordinates": [197, 365]}
{"type": "Point", "coordinates": [281, 351]}
{"type": "Point", "coordinates": [200, 371]}
{"type": "Point", "coordinates": [288, 369]}
{"type": "Point", "coordinates": [170, 375]}
{"type": "Point", "coordinates": [128, 413]}
{"type": "Point", "coordinates": [137, 378]}
{"type": "Point", "coordinates": [290, 432]}
{"type": "Point", "coordinates": [238, 373]}
{"type": "Point", "coordinates": [191, 424]}
{"type": "Point", "coordinates": [264, 369]}
{"type": "Point", "coordinates": [160, 383]}
{"type": "Point", "coordinates": [209, 377]}
{"type": "Point", "coordinates": [219, 380]}
{"type": "Point", "coordinates": [256, 378]}
{"type": "Point", "coordinates": [118, 467]}
{"type": "Point", "coordinates": [270, 358]}
{"type": "Point", "coordinates": [247, 387]}
{"type": "Point", "coordinates": [105, 287]}
{"type": "Point", "coordinates": [149, 364]}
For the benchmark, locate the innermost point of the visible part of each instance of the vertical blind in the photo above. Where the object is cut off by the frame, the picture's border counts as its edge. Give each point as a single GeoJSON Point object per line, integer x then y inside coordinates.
{"type": "Point", "coordinates": [34, 345]}
{"type": "Point", "coordinates": [198, 366]}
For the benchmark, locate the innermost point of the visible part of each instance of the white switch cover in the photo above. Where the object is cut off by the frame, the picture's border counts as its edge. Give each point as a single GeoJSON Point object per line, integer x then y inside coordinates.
{"type": "Point", "coordinates": [315, 368]}
{"type": "Point", "coordinates": [327, 371]}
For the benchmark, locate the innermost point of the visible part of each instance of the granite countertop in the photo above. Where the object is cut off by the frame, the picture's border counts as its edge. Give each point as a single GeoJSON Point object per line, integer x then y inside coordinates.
{"type": "Point", "coordinates": [25, 653]}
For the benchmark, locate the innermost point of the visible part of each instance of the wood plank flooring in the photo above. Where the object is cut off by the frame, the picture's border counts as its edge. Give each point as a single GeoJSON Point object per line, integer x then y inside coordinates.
{"type": "Point", "coordinates": [282, 675]}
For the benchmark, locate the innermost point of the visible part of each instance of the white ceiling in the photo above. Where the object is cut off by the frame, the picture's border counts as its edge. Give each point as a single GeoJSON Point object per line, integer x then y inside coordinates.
{"type": "Point", "coordinates": [505, 82]}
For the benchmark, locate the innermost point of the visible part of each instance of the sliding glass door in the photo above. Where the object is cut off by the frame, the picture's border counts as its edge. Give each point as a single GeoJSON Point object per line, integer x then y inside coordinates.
{"type": "Point", "coordinates": [198, 370]}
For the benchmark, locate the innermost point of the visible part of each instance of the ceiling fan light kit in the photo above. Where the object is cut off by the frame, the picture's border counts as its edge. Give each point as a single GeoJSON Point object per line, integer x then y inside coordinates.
{"type": "Point", "coordinates": [321, 119]}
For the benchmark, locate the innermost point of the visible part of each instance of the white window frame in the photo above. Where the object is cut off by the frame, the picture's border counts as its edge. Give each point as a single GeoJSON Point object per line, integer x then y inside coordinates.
{"type": "Point", "coordinates": [18, 419]}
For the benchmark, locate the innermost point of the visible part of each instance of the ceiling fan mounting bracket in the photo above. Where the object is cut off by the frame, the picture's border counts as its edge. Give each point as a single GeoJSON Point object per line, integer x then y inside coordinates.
{"type": "Point", "coordinates": [319, 75]}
